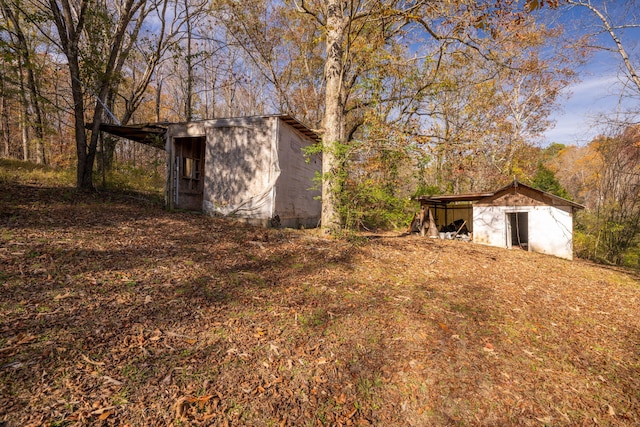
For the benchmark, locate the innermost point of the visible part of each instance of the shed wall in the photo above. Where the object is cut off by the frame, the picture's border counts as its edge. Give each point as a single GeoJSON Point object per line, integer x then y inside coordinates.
{"type": "Point", "coordinates": [550, 228]}
{"type": "Point", "coordinates": [296, 203]}
{"type": "Point", "coordinates": [241, 167]}
{"type": "Point", "coordinates": [253, 168]}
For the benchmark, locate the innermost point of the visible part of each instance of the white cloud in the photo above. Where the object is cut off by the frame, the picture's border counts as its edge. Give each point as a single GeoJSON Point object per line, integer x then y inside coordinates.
{"type": "Point", "coordinates": [586, 100]}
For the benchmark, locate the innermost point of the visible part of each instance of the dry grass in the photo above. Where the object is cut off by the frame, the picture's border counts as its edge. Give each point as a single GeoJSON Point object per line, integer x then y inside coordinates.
{"type": "Point", "coordinates": [116, 312]}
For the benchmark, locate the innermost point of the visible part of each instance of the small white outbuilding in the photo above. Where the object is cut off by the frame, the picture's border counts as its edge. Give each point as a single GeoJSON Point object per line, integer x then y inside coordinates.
{"type": "Point", "coordinates": [251, 168]}
{"type": "Point", "coordinates": [516, 215]}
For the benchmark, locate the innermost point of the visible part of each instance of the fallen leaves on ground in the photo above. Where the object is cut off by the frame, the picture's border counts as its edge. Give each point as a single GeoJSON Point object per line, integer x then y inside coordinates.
{"type": "Point", "coordinates": [117, 312]}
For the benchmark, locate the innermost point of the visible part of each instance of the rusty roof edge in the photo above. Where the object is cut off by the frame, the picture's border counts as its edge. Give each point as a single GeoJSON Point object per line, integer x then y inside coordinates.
{"type": "Point", "coordinates": [516, 183]}
{"type": "Point", "coordinates": [455, 197]}
{"type": "Point", "coordinates": [287, 118]}
{"type": "Point", "coordinates": [298, 125]}
{"type": "Point", "coordinates": [471, 197]}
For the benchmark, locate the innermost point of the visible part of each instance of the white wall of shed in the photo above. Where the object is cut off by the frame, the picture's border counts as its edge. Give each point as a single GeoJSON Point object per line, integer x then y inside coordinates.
{"type": "Point", "coordinates": [240, 169]}
{"type": "Point", "coordinates": [550, 228]}
{"type": "Point", "coordinates": [296, 203]}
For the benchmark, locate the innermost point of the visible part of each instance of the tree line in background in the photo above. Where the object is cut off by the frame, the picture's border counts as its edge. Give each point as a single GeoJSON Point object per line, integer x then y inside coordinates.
{"type": "Point", "coordinates": [410, 98]}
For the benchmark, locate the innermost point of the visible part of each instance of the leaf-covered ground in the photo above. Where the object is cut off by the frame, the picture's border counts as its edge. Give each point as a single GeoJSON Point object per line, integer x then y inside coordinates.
{"type": "Point", "coordinates": [115, 312]}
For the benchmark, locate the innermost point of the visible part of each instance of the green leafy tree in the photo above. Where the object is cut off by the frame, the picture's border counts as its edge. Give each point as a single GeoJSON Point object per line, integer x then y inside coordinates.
{"type": "Point", "coordinates": [546, 180]}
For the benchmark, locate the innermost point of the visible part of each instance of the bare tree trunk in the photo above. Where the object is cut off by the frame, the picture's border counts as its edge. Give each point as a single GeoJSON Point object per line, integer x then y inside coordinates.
{"type": "Point", "coordinates": [24, 129]}
{"type": "Point", "coordinates": [34, 97]}
{"type": "Point", "coordinates": [24, 113]}
{"type": "Point", "coordinates": [158, 98]}
{"type": "Point", "coordinates": [39, 122]}
{"type": "Point", "coordinates": [334, 117]}
{"type": "Point", "coordinates": [107, 145]}
{"type": "Point", "coordinates": [84, 171]}
{"type": "Point", "coordinates": [188, 102]}
{"type": "Point", "coordinates": [70, 22]}
{"type": "Point", "coordinates": [5, 131]}
{"type": "Point", "coordinates": [106, 94]}
{"type": "Point", "coordinates": [5, 111]}
{"type": "Point", "coordinates": [26, 66]}
{"type": "Point", "coordinates": [62, 143]}
{"type": "Point", "coordinates": [611, 30]}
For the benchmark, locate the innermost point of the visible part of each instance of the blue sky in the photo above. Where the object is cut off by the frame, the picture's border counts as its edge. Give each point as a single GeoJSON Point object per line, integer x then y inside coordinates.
{"type": "Point", "coordinates": [597, 93]}
{"type": "Point", "coordinates": [601, 82]}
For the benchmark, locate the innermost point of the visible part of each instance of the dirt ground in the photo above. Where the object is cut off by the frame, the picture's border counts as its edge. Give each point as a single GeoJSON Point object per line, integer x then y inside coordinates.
{"type": "Point", "coordinates": [115, 312]}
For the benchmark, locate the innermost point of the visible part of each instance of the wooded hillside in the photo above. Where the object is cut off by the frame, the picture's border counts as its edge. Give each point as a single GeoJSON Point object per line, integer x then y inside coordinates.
{"type": "Point", "coordinates": [116, 312]}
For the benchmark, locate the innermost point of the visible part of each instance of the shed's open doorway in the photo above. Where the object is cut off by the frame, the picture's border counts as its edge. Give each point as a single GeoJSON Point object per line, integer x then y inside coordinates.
{"type": "Point", "coordinates": [518, 230]}
{"type": "Point", "coordinates": [189, 172]}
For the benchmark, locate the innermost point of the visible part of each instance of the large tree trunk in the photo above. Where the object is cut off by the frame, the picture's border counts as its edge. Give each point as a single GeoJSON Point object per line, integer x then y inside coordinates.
{"type": "Point", "coordinates": [334, 117]}
{"type": "Point", "coordinates": [188, 100]}
{"type": "Point", "coordinates": [118, 52]}
{"type": "Point", "coordinates": [69, 24]}
{"type": "Point", "coordinates": [84, 171]}
{"type": "Point", "coordinates": [24, 114]}
{"type": "Point", "coordinates": [4, 118]}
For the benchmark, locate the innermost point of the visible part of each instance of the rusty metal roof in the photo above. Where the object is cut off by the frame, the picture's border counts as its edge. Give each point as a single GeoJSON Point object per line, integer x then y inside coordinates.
{"type": "Point", "coordinates": [146, 133]}
{"type": "Point", "coordinates": [153, 133]}
{"type": "Point", "coordinates": [474, 197]}
{"type": "Point", "coordinates": [299, 126]}
{"type": "Point", "coordinates": [451, 198]}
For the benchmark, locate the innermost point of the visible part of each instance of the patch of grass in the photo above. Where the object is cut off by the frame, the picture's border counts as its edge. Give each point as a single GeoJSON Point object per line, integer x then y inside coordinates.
{"type": "Point", "coordinates": [18, 309]}
{"type": "Point", "coordinates": [366, 386]}
{"type": "Point", "coordinates": [316, 318]}
{"type": "Point", "coordinates": [27, 172]}
{"type": "Point", "coordinates": [61, 423]}
{"type": "Point", "coordinates": [121, 397]}
{"type": "Point", "coordinates": [251, 278]}
{"type": "Point", "coordinates": [149, 178]}
{"type": "Point", "coordinates": [133, 372]}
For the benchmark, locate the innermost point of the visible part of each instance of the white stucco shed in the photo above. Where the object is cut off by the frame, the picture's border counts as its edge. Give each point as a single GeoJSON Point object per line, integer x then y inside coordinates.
{"type": "Point", "coordinates": [250, 168]}
{"type": "Point", "coordinates": [514, 216]}
{"type": "Point", "coordinates": [522, 216]}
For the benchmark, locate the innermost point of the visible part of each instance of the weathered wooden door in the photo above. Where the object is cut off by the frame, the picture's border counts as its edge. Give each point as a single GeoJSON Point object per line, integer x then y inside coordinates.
{"type": "Point", "coordinates": [189, 172]}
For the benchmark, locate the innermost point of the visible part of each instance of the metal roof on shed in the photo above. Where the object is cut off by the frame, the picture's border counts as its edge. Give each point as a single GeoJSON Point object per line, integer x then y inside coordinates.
{"type": "Point", "coordinates": [153, 133]}
{"type": "Point", "coordinates": [474, 197]}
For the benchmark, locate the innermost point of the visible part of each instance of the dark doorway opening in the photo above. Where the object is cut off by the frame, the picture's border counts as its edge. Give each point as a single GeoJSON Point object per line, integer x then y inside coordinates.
{"type": "Point", "coordinates": [189, 172]}
{"type": "Point", "coordinates": [518, 230]}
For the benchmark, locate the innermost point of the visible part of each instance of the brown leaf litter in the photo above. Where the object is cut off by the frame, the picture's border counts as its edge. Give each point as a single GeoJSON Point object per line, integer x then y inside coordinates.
{"type": "Point", "coordinates": [118, 313]}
